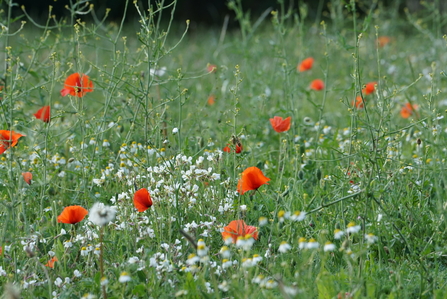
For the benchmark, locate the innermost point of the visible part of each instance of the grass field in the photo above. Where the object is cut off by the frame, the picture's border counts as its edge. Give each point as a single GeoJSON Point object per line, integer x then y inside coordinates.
{"type": "Point", "coordinates": [204, 192]}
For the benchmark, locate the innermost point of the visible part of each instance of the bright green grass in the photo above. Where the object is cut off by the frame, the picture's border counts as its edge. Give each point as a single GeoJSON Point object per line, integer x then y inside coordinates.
{"type": "Point", "coordinates": [336, 163]}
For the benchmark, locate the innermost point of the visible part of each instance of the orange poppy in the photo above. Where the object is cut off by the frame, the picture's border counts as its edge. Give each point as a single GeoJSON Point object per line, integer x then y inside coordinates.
{"type": "Point", "coordinates": [211, 68]}
{"type": "Point", "coordinates": [43, 114]}
{"type": "Point", "coordinates": [359, 103]}
{"type": "Point", "coordinates": [211, 100]}
{"type": "Point", "coordinates": [27, 177]}
{"type": "Point", "coordinates": [77, 85]}
{"type": "Point", "coordinates": [369, 88]}
{"type": "Point", "coordinates": [51, 262]}
{"type": "Point", "coordinates": [382, 41]}
{"type": "Point", "coordinates": [142, 200]}
{"type": "Point", "coordinates": [306, 64]}
{"type": "Point", "coordinates": [317, 84]}
{"type": "Point", "coordinates": [228, 149]}
{"type": "Point", "coordinates": [279, 124]}
{"type": "Point", "coordinates": [72, 215]}
{"type": "Point", "coordinates": [238, 228]}
{"type": "Point", "coordinates": [408, 110]}
{"type": "Point", "coordinates": [252, 178]}
{"type": "Point", "coordinates": [8, 139]}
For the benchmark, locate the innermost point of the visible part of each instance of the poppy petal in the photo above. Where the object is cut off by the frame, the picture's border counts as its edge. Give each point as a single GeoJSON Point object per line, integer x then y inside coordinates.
{"type": "Point", "coordinates": [142, 200]}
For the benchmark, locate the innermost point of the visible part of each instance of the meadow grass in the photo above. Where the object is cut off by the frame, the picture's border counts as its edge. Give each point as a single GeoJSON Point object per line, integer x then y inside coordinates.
{"type": "Point", "coordinates": [354, 207]}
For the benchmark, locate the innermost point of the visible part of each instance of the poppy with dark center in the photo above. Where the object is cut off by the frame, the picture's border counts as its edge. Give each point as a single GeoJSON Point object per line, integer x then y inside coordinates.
{"type": "Point", "coordinates": [408, 110]}
{"type": "Point", "coordinates": [369, 88]}
{"type": "Point", "coordinates": [77, 85]}
{"type": "Point", "coordinates": [279, 124]}
{"type": "Point", "coordinates": [72, 215]}
{"type": "Point", "coordinates": [51, 262]}
{"type": "Point", "coordinates": [238, 228]}
{"type": "Point", "coordinates": [306, 64]}
{"type": "Point", "coordinates": [317, 84]}
{"type": "Point", "coordinates": [43, 114]}
{"type": "Point", "coordinates": [8, 139]}
{"type": "Point", "coordinates": [27, 177]}
{"type": "Point", "coordinates": [142, 200]}
{"type": "Point", "coordinates": [252, 178]}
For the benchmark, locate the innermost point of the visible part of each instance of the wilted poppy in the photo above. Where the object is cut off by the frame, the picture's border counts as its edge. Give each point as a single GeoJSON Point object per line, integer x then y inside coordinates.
{"type": "Point", "coordinates": [306, 64]}
{"type": "Point", "coordinates": [369, 88]}
{"type": "Point", "coordinates": [8, 139]}
{"type": "Point", "coordinates": [77, 85]}
{"type": "Point", "coordinates": [238, 228]}
{"type": "Point", "coordinates": [43, 114]}
{"type": "Point", "coordinates": [358, 103]}
{"type": "Point", "coordinates": [279, 124]}
{"type": "Point", "coordinates": [317, 84]}
{"type": "Point", "coordinates": [72, 215]}
{"type": "Point", "coordinates": [252, 178]}
{"type": "Point", "coordinates": [238, 148]}
{"type": "Point", "coordinates": [51, 262]}
{"type": "Point", "coordinates": [27, 177]}
{"type": "Point", "coordinates": [408, 110]}
{"type": "Point", "coordinates": [142, 200]}
{"type": "Point", "coordinates": [211, 68]}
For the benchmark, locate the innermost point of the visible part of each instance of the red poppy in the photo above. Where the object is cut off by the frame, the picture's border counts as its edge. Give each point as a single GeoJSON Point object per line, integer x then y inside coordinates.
{"type": "Point", "coordinates": [27, 177]}
{"type": "Point", "coordinates": [238, 228]}
{"type": "Point", "coordinates": [43, 114]}
{"type": "Point", "coordinates": [317, 84]}
{"type": "Point", "coordinates": [72, 215]}
{"type": "Point", "coordinates": [306, 64]}
{"type": "Point", "coordinates": [382, 41]}
{"type": "Point", "coordinates": [408, 110]}
{"type": "Point", "coordinates": [252, 178]}
{"type": "Point", "coordinates": [51, 262]}
{"type": "Point", "coordinates": [359, 103]}
{"type": "Point", "coordinates": [211, 68]}
{"type": "Point", "coordinates": [77, 85]}
{"type": "Point", "coordinates": [279, 124]}
{"type": "Point", "coordinates": [211, 100]}
{"type": "Point", "coordinates": [228, 149]}
{"type": "Point", "coordinates": [8, 139]}
{"type": "Point", "coordinates": [142, 200]}
{"type": "Point", "coordinates": [369, 88]}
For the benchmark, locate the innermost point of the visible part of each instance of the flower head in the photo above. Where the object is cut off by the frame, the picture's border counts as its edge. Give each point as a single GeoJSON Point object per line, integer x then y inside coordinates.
{"type": "Point", "coordinates": [100, 214]}
{"type": "Point", "coordinates": [43, 114]}
{"type": "Point", "coordinates": [306, 64]}
{"type": "Point", "coordinates": [252, 178]}
{"type": "Point", "coordinates": [279, 124]}
{"type": "Point", "coordinates": [50, 263]}
{"type": "Point", "coordinates": [359, 103]}
{"type": "Point", "coordinates": [72, 215]}
{"type": "Point", "coordinates": [237, 148]}
{"type": "Point", "coordinates": [77, 85]}
{"type": "Point", "coordinates": [238, 228]}
{"type": "Point", "coordinates": [142, 200]}
{"type": "Point", "coordinates": [317, 84]}
{"type": "Point", "coordinates": [369, 88]}
{"type": "Point", "coordinates": [27, 177]}
{"type": "Point", "coordinates": [382, 41]}
{"type": "Point", "coordinates": [211, 68]}
{"type": "Point", "coordinates": [408, 110]}
{"type": "Point", "coordinates": [8, 139]}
